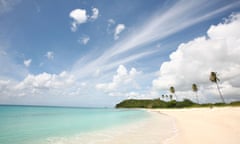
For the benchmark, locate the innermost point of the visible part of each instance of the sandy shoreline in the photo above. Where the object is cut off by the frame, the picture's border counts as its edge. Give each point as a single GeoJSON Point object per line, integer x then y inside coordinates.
{"type": "Point", "coordinates": [155, 129]}
{"type": "Point", "coordinates": [171, 126]}
{"type": "Point", "coordinates": [205, 125]}
{"type": "Point", "coordinates": [184, 126]}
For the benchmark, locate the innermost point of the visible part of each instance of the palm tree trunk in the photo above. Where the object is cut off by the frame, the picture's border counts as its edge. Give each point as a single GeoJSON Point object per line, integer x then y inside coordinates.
{"type": "Point", "coordinates": [220, 93]}
{"type": "Point", "coordinates": [197, 98]}
{"type": "Point", "coordinates": [175, 96]}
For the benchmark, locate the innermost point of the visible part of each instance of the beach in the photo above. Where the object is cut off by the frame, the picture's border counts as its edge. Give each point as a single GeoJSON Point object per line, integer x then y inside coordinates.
{"type": "Point", "coordinates": [185, 126]}
{"type": "Point", "coordinates": [46, 125]}
{"type": "Point", "coordinates": [205, 125]}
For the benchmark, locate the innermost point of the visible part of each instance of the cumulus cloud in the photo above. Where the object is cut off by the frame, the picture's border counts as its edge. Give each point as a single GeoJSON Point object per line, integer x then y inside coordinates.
{"type": "Point", "coordinates": [119, 28]}
{"type": "Point", "coordinates": [27, 63]}
{"type": "Point", "coordinates": [80, 16]}
{"type": "Point", "coordinates": [121, 82]}
{"type": "Point", "coordinates": [95, 13]}
{"type": "Point", "coordinates": [193, 61]}
{"type": "Point", "coordinates": [43, 83]}
{"type": "Point", "coordinates": [158, 27]}
{"type": "Point", "coordinates": [84, 40]}
{"type": "Point", "coordinates": [46, 81]}
{"type": "Point", "coordinates": [49, 55]}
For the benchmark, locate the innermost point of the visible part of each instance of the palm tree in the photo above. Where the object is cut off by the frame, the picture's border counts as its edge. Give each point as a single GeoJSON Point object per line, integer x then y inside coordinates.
{"type": "Point", "coordinates": [172, 90]}
{"type": "Point", "coordinates": [170, 97]}
{"type": "Point", "coordinates": [163, 97]}
{"type": "Point", "coordinates": [195, 89]}
{"type": "Point", "coordinates": [213, 78]}
{"type": "Point", "coordinates": [166, 97]}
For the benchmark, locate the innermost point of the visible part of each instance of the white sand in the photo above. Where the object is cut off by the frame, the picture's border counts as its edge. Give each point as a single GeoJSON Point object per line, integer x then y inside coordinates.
{"type": "Point", "coordinates": [206, 126]}
{"type": "Point", "coordinates": [186, 126]}
{"type": "Point", "coordinates": [155, 130]}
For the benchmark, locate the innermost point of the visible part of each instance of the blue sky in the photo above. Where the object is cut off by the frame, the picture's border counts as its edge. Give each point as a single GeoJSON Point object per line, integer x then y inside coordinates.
{"type": "Point", "coordinates": [96, 53]}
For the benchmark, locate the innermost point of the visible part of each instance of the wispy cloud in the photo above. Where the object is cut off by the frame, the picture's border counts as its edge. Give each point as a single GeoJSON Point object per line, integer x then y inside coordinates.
{"type": "Point", "coordinates": [10, 68]}
{"type": "Point", "coordinates": [49, 55]}
{"type": "Point", "coordinates": [111, 21]}
{"type": "Point", "coordinates": [95, 70]}
{"type": "Point", "coordinates": [7, 5]}
{"type": "Point", "coordinates": [119, 28]}
{"type": "Point", "coordinates": [84, 40]}
{"type": "Point", "coordinates": [180, 16]}
{"type": "Point", "coordinates": [27, 63]}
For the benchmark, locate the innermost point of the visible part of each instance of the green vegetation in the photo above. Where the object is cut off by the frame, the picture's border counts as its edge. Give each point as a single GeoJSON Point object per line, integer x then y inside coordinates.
{"type": "Point", "coordinates": [157, 103]}
{"type": "Point", "coordinates": [168, 102]}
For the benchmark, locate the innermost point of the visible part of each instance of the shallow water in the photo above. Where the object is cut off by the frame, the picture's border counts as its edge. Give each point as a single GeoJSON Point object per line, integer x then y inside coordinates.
{"type": "Point", "coordinates": [34, 124]}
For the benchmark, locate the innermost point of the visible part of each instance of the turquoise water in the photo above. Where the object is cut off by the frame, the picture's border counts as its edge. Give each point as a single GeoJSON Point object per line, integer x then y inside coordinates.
{"type": "Point", "coordinates": [28, 124]}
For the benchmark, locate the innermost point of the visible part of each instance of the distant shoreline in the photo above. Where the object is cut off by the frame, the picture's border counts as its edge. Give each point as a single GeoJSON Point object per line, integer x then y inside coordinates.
{"type": "Point", "coordinates": [158, 103]}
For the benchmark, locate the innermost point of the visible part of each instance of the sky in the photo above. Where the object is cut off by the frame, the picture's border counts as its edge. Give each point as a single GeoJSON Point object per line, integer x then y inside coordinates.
{"type": "Point", "coordinates": [96, 53]}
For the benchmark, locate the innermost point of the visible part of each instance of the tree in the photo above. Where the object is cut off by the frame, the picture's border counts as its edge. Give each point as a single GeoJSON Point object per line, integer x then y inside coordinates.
{"type": "Point", "coordinates": [195, 89]}
{"type": "Point", "coordinates": [172, 90]}
{"type": "Point", "coordinates": [213, 78]}
{"type": "Point", "coordinates": [162, 97]}
{"type": "Point", "coordinates": [166, 97]}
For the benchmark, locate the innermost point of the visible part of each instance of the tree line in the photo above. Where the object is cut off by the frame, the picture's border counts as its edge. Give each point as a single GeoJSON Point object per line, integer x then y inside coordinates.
{"type": "Point", "coordinates": [213, 78]}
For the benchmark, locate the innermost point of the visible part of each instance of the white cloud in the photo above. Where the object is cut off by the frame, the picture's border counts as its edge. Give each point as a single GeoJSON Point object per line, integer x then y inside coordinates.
{"type": "Point", "coordinates": [84, 40]}
{"type": "Point", "coordinates": [49, 55]}
{"type": "Point", "coordinates": [165, 24]}
{"type": "Point", "coordinates": [119, 28]}
{"type": "Point", "coordinates": [7, 5]}
{"type": "Point", "coordinates": [193, 61]}
{"type": "Point", "coordinates": [95, 14]}
{"type": "Point", "coordinates": [79, 16]}
{"type": "Point", "coordinates": [10, 68]}
{"type": "Point", "coordinates": [110, 28]}
{"type": "Point", "coordinates": [27, 63]}
{"type": "Point", "coordinates": [45, 88]}
{"type": "Point", "coordinates": [155, 28]}
{"type": "Point", "coordinates": [46, 81]}
{"type": "Point", "coordinates": [121, 82]}
{"type": "Point", "coordinates": [133, 94]}
{"type": "Point", "coordinates": [111, 21]}
{"type": "Point", "coordinates": [41, 84]}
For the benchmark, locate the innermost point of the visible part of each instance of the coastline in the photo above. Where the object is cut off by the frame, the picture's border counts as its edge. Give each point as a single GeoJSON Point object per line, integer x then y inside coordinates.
{"type": "Point", "coordinates": [167, 126]}
{"type": "Point", "coordinates": [178, 126]}
{"type": "Point", "coordinates": [204, 125]}
{"type": "Point", "coordinates": [155, 129]}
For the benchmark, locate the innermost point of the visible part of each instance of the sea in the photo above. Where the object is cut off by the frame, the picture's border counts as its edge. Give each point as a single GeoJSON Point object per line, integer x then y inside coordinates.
{"type": "Point", "coordinates": [58, 125]}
